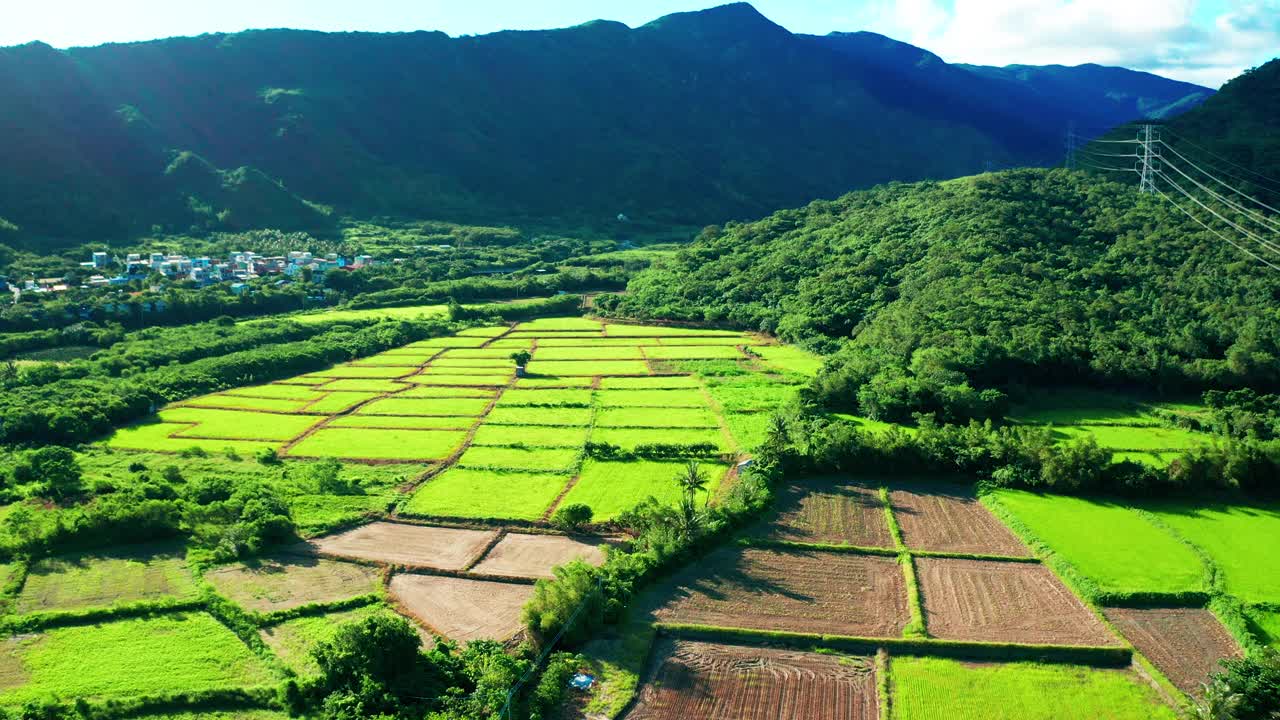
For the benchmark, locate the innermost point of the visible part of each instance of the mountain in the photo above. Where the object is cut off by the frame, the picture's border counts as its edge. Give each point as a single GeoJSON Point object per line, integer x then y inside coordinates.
{"type": "Point", "coordinates": [693, 118]}
{"type": "Point", "coordinates": [929, 293]}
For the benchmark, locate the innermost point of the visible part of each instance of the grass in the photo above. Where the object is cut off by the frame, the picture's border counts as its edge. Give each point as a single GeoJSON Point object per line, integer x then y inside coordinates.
{"type": "Point", "coordinates": [1132, 555]}
{"type": "Point", "coordinates": [461, 379]}
{"type": "Point", "coordinates": [302, 380]}
{"type": "Point", "coordinates": [413, 312]}
{"type": "Point", "coordinates": [1240, 539]}
{"type": "Point", "coordinates": [1087, 406]}
{"type": "Point", "coordinates": [1141, 439]}
{"type": "Point", "coordinates": [620, 352]}
{"type": "Point", "coordinates": [488, 353]}
{"type": "Point", "coordinates": [594, 341]}
{"type": "Point", "coordinates": [293, 640]}
{"type": "Point", "coordinates": [185, 652]}
{"type": "Point", "coordinates": [1266, 625]}
{"type": "Point", "coordinates": [693, 352]}
{"type": "Point", "coordinates": [620, 330]}
{"type": "Point", "coordinates": [548, 397]}
{"type": "Point", "coordinates": [610, 488]}
{"type": "Point", "coordinates": [512, 458]}
{"type": "Point", "coordinates": [491, 364]}
{"type": "Point", "coordinates": [109, 577]}
{"type": "Point", "coordinates": [538, 416]}
{"type": "Point", "coordinates": [240, 402]}
{"type": "Point", "coordinates": [656, 417]}
{"type": "Point", "coordinates": [491, 331]}
{"type": "Point", "coordinates": [527, 383]}
{"type": "Point", "coordinates": [341, 401]}
{"type": "Point", "coordinates": [434, 391]}
{"type": "Point", "coordinates": [468, 367]}
{"type": "Point", "coordinates": [529, 436]}
{"type": "Point", "coordinates": [664, 382]}
{"type": "Point", "coordinates": [281, 583]}
{"type": "Point", "coordinates": [470, 407]}
{"type": "Point", "coordinates": [157, 436]}
{"type": "Point", "coordinates": [753, 397]}
{"type": "Point", "coordinates": [617, 658]}
{"type": "Point", "coordinates": [652, 398]}
{"type": "Point", "coordinates": [459, 492]}
{"type": "Point", "coordinates": [407, 363]}
{"type": "Point", "coordinates": [705, 341]}
{"type": "Point", "coordinates": [560, 323]}
{"type": "Point", "coordinates": [448, 342]}
{"type": "Point", "coordinates": [236, 425]}
{"type": "Point", "coordinates": [749, 429]}
{"type": "Point", "coordinates": [588, 367]}
{"type": "Point", "coordinates": [283, 392]}
{"type": "Point", "coordinates": [790, 359]}
{"type": "Point", "coordinates": [379, 444]}
{"type": "Point", "coordinates": [363, 373]}
{"type": "Point", "coordinates": [629, 438]}
{"type": "Point", "coordinates": [415, 422]}
{"type": "Point", "coordinates": [357, 385]}
{"type": "Point", "coordinates": [510, 345]}
{"type": "Point", "coordinates": [927, 688]}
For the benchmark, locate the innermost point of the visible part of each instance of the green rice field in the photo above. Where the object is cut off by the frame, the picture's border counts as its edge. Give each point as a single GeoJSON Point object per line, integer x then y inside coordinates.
{"type": "Point", "coordinates": [609, 488]}
{"type": "Point", "coordinates": [109, 578]}
{"type": "Point", "coordinates": [459, 492]}
{"type": "Point", "coordinates": [293, 640]}
{"type": "Point", "coordinates": [1239, 539]}
{"type": "Point", "coordinates": [932, 688]}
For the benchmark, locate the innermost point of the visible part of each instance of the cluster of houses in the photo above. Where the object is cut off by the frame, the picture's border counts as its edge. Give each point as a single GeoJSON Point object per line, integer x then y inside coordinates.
{"type": "Point", "coordinates": [237, 269]}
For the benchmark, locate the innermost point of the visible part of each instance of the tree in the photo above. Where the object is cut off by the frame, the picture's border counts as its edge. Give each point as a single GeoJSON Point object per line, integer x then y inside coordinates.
{"type": "Point", "coordinates": [373, 667]}
{"type": "Point", "coordinates": [521, 357]}
{"type": "Point", "coordinates": [692, 480]}
{"type": "Point", "coordinates": [572, 517]}
{"type": "Point", "coordinates": [52, 472]}
{"type": "Point", "coordinates": [326, 477]}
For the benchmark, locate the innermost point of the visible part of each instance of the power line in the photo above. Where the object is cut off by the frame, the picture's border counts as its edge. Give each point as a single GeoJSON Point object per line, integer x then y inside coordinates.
{"type": "Point", "coordinates": [1218, 215]}
{"type": "Point", "coordinates": [1223, 159]}
{"type": "Point", "coordinates": [1225, 200]}
{"type": "Point", "coordinates": [1242, 249]}
{"type": "Point", "coordinates": [1215, 179]}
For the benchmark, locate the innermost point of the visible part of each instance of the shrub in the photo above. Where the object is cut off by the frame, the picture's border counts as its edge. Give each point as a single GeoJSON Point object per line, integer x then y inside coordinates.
{"type": "Point", "coordinates": [572, 517]}
{"type": "Point", "coordinates": [51, 472]}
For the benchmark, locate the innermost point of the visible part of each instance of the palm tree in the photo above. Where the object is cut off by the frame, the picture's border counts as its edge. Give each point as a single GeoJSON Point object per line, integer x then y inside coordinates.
{"type": "Point", "coordinates": [1219, 702]}
{"type": "Point", "coordinates": [692, 478]}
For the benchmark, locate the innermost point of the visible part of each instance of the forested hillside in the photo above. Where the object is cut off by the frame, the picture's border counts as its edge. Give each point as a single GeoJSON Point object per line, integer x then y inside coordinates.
{"type": "Point", "coordinates": [942, 290]}
{"type": "Point", "coordinates": [696, 117]}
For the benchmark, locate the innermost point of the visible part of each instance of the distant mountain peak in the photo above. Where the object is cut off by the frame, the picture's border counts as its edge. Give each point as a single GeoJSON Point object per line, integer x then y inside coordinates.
{"type": "Point", "coordinates": [738, 20]}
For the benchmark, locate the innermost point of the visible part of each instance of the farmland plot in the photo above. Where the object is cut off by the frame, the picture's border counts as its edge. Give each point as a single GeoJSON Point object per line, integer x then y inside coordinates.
{"type": "Point", "coordinates": [1186, 644]}
{"type": "Point", "coordinates": [463, 493]}
{"type": "Point", "coordinates": [798, 591]}
{"type": "Point", "coordinates": [403, 544]}
{"type": "Point", "coordinates": [271, 584]}
{"type": "Point", "coordinates": [937, 517]}
{"type": "Point", "coordinates": [829, 511]}
{"type": "Point", "coordinates": [293, 640]}
{"type": "Point", "coordinates": [1004, 602]}
{"type": "Point", "coordinates": [725, 682]}
{"type": "Point", "coordinates": [534, 556]}
{"type": "Point", "coordinates": [118, 576]}
{"type": "Point", "coordinates": [379, 444]}
{"type": "Point", "coordinates": [611, 488]}
{"type": "Point", "coordinates": [462, 609]}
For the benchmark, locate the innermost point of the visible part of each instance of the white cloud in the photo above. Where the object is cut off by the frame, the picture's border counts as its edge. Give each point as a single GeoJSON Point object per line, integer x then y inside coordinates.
{"type": "Point", "coordinates": [1159, 36]}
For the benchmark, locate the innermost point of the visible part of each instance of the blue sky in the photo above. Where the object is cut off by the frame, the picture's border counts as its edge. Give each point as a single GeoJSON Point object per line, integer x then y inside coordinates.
{"type": "Point", "coordinates": [1203, 41]}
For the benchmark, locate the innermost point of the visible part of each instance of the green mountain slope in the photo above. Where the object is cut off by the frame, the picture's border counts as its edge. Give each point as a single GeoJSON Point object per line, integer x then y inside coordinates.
{"type": "Point", "coordinates": [938, 290]}
{"type": "Point", "coordinates": [695, 117]}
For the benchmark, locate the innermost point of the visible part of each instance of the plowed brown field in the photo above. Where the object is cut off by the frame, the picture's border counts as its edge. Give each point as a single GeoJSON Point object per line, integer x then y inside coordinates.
{"type": "Point", "coordinates": [414, 545]}
{"type": "Point", "coordinates": [797, 591]}
{"type": "Point", "coordinates": [946, 519]}
{"type": "Point", "coordinates": [704, 681]}
{"type": "Point", "coordinates": [462, 609]}
{"type": "Point", "coordinates": [272, 584]}
{"type": "Point", "coordinates": [830, 510]}
{"type": "Point", "coordinates": [1184, 643]}
{"type": "Point", "coordinates": [533, 556]}
{"type": "Point", "coordinates": [1004, 602]}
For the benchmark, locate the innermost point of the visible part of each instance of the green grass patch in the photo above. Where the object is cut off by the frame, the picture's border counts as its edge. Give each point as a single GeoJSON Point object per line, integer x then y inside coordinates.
{"type": "Point", "coordinates": [748, 429]}
{"type": "Point", "coordinates": [490, 331]}
{"type": "Point", "coordinates": [928, 688]}
{"type": "Point", "coordinates": [656, 417]}
{"type": "Point", "coordinates": [460, 379]}
{"type": "Point", "coordinates": [433, 391]}
{"type": "Point", "coordinates": [546, 398]}
{"type": "Point", "coordinates": [652, 398]}
{"type": "Point", "coordinates": [357, 385]}
{"type": "Point", "coordinates": [468, 407]}
{"type": "Point", "coordinates": [491, 364]}
{"type": "Point", "coordinates": [530, 436]}
{"type": "Point", "coordinates": [790, 359]}
{"type": "Point", "coordinates": [512, 458]}
{"type": "Point", "coordinates": [1156, 460]}
{"type": "Point", "coordinates": [1130, 556]}
{"type": "Point", "coordinates": [380, 444]}
{"type": "Point", "coordinates": [460, 492]}
{"type": "Point", "coordinates": [705, 341]}
{"type": "Point", "coordinates": [588, 367]}
{"type": "Point", "coordinates": [416, 422]}
{"type": "Point", "coordinates": [157, 436]}
{"type": "Point", "coordinates": [293, 640]}
{"type": "Point", "coordinates": [340, 401]}
{"type": "Point", "coordinates": [609, 488]}
{"type": "Point", "coordinates": [621, 330]}
{"type": "Point", "coordinates": [755, 397]}
{"type": "Point", "coordinates": [693, 352]}
{"type": "Point", "coordinates": [240, 402]}
{"type": "Point", "coordinates": [560, 323]}
{"type": "Point", "coordinates": [236, 425]}
{"type": "Point", "coordinates": [527, 383]}
{"type": "Point", "coordinates": [595, 341]}
{"type": "Point", "coordinates": [510, 345]}
{"type": "Point", "coordinates": [538, 416]}
{"type": "Point", "coordinates": [357, 372]}
{"type": "Point", "coordinates": [1240, 539]}
{"type": "Point", "coordinates": [110, 577]}
{"type": "Point", "coordinates": [658, 382]}
{"type": "Point", "coordinates": [487, 353]}
{"type": "Point", "coordinates": [282, 392]}
{"type": "Point", "coordinates": [620, 352]}
{"type": "Point", "coordinates": [1265, 624]}
{"type": "Point", "coordinates": [1142, 439]}
{"type": "Point", "coordinates": [502, 369]}
{"type": "Point", "coordinates": [629, 438]}
{"type": "Point", "coordinates": [448, 342]}
{"type": "Point", "coordinates": [302, 380]}
{"type": "Point", "coordinates": [326, 317]}
{"type": "Point", "coordinates": [186, 652]}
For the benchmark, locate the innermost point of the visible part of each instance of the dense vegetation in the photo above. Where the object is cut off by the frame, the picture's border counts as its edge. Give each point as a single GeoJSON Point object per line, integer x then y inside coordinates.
{"type": "Point", "coordinates": [294, 130]}
{"type": "Point", "coordinates": [948, 297]}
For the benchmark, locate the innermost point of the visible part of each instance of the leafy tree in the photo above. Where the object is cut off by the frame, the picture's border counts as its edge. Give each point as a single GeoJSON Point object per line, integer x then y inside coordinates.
{"type": "Point", "coordinates": [51, 472]}
{"type": "Point", "coordinates": [326, 477]}
{"type": "Point", "coordinates": [572, 517]}
{"type": "Point", "coordinates": [521, 357]}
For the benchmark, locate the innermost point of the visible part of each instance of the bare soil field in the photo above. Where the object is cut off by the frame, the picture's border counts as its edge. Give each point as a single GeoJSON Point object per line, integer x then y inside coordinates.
{"type": "Point", "coordinates": [950, 519]}
{"type": "Point", "coordinates": [797, 591]}
{"type": "Point", "coordinates": [726, 682]}
{"type": "Point", "coordinates": [1004, 602]}
{"type": "Point", "coordinates": [413, 545]}
{"type": "Point", "coordinates": [462, 609]}
{"type": "Point", "coordinates": [271, 584]}
{"type": "Point", "coordinates": [533, 556]}
{"type": "Point", "coordinates": [830, 510]}
{"type": "Point", "coordinates": [1184, 643]}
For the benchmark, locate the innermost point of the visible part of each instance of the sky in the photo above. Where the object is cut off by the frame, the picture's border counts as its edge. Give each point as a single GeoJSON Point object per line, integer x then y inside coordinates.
{"type": "Point", "coordinates": [1201, 41]}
